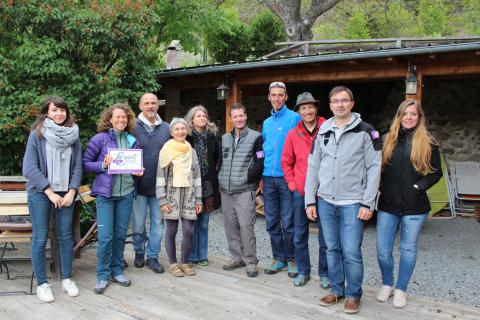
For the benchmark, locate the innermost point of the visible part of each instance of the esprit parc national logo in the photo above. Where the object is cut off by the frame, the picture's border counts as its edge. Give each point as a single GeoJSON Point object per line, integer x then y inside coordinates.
{"type": "Point", "coordinates": [122, 158]}
{"type": "Point", "coordinates": [125, 161]}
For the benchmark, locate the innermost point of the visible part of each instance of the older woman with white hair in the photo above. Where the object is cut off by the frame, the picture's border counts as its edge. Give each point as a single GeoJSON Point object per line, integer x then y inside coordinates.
{"type": "Point", "coordinates": [179, 194]}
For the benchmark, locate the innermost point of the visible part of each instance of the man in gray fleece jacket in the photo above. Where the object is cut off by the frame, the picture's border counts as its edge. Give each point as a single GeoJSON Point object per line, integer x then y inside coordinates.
{"type": "Point", "coordinates": [343, 173]}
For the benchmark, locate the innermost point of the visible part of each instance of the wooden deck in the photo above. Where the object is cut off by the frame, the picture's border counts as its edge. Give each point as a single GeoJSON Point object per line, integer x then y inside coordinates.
{"type": "Point", "coordinates": [212, 294]}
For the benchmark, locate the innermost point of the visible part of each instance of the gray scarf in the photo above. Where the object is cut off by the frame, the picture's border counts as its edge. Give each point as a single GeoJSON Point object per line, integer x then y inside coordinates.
{"type": "Point", "coordinates": [59, 152]}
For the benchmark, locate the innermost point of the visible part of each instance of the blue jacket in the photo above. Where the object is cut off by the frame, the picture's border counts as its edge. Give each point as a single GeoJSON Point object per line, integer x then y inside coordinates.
{"type": "Point", "coordinates": [274, 132]}
{"type": "Point", "coordinates": [34, 166]}
{"type": "Point", "coordinates": [93, 157]}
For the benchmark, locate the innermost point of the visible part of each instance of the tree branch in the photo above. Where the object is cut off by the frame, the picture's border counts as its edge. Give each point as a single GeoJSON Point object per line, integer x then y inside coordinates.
{"type": "Point", "coordinates": [317, 8]}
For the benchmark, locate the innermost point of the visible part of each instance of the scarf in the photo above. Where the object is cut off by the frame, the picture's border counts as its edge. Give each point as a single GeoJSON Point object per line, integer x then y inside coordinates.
{"type": "Point", "coordinates": [200, 145]}
{"type": "Point", "coordinates": [59, 151]}
{"type": "Point", "coordinates": [180, 155]}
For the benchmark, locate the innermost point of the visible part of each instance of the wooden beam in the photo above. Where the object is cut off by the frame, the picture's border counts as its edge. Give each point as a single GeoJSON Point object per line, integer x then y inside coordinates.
{"type": "Point", "coordinates": [419, 94]}
{"type": "Point", "coordinates": [235, 95]}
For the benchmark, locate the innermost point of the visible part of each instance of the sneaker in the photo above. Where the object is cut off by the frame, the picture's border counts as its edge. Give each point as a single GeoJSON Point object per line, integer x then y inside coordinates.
{"type": "Point", "coordinates": [152, 263]}
{"type": "Point", "coordinates": [233, 264]}
{"type": "Point", "coordinates": [70, 287]}
{"type": "Point", "coordinates": [352, 305]}
{"type": "Point", "coordinates": [292, 269]}
{"type": "Point", "coordinates": [384, 293]}
{"type": "Point", "coordinates": [275, 266]}
{"type": "Point", "coordinates": [175, 270]}
{"type": "Point", "coordinates": [301, 280]}
{"type": "Point", "coordinates": [122, 280]}
{"type": "Point", "coordinates": [139, 261]}
{"type": "Point", "coordinates": [188, 269]}
{"type": "Point", "coordinates": [203, 263]}
{"type": "Point", "coordinates": [325, 283]}
{"type": "Point", "coordinates": [101, 286]}
{"type": "Point", "coordinates": [329, 300]}
{"type": "Point", "coordinates": [399, 298]}
{"type": "Point", "coordinates": [44, 293]}
{"type": "Point", "coordinates": [252, 270]}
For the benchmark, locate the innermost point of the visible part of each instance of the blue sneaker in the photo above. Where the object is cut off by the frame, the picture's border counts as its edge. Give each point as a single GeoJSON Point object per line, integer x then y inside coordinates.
{"type": "Point", "coordinates": [275, 266]}
{"type": "Point", "coordinates": [301, 280]}
{"type": "Point", "coordinates": [101, 286]}
{"type": "Point", "coordinates": [325, 283]}
{"type": "Point", "coordinates": [292, 269]}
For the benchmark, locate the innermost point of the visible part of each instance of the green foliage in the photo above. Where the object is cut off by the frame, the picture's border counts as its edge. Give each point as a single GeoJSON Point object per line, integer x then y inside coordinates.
{"type": "Point", "coordinates": [92, 55]}
{"type": "Point", "coordinates": [357, 26]}
{"type": "Point", "coordinates": [230, 43]}
{"type": "Point", "coordinates": [432, 18]}
{"type": "Point", "coordinates": [471, 18]}
{"type": "Point", "coordinates": [265, 30]}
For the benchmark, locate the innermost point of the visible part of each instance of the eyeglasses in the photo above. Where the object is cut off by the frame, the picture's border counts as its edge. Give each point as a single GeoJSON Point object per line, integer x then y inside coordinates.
{"type": "Point", "coordinates": [277, 85]}
{"type": "Point", "coordinates": [343, 101]}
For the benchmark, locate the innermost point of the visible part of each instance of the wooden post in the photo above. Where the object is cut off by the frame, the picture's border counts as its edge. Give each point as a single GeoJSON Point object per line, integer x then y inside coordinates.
{"type": "Point", "coordinates": [419, 94]}
{"type": "Point", "coordinates": [235, 95]}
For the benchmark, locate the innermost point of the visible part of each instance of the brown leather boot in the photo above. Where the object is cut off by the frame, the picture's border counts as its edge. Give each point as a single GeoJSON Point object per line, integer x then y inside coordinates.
{"type": "Point", "coordinates": [352, 305]}
{"type": "Point", "coordinates": [329, 300]}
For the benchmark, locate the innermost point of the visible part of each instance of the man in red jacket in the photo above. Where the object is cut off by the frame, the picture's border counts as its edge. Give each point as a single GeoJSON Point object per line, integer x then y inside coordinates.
{"type": "Point", "coordinates": [294, 165]}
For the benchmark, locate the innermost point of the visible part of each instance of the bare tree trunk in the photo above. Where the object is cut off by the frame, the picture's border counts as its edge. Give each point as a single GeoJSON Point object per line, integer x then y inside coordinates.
{"type": "Point", "coordinates": [298, 27]}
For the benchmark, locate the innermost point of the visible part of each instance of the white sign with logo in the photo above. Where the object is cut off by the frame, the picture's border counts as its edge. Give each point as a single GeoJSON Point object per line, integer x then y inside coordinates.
{"type": "Point", "coordinates": [125, 161]}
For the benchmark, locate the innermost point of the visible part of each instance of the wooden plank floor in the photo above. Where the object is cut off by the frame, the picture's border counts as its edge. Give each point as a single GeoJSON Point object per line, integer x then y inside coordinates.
{"type": "Point", "coordinates": [212, 294]}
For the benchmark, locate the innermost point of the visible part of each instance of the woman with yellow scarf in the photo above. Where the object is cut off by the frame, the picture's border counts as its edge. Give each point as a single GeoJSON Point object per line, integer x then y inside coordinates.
{"type": "Point", "coordinates": [179, 194]}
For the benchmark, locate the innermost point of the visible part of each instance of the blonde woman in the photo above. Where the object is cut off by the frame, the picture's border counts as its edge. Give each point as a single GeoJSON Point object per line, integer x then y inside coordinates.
{"type": "Point", "coordinates": [202, 137]}
{"type": "Point", "coordinates": [410, 166]}
{"type": "Point", "coordinates": [179, 194]}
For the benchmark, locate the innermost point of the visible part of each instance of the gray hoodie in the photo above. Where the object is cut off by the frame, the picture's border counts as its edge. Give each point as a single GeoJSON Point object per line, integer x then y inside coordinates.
{"type": "Point", "coordinates": [344, 167]}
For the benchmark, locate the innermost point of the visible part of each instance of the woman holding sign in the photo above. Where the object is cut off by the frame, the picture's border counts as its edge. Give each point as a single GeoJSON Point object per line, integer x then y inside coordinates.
{"type": "Point", "coordinates": [179, 194]}
{"type": "Point", "coordinates": [113, 189]}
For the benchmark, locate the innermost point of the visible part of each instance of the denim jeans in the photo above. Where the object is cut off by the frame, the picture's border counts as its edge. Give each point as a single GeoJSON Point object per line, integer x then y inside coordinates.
{"type": "Point", "coordinates": [279, 217]}
{"type": "Point", "coordinates": [143, 206]}
{"type": "Point", "coordinates": [300, 239]}
{"type": "Point", "coordinates": [113, 215]}
{"type": "Point", "coordinates": [410, 227]}
{"type": "Point", "coordinates": [343, 233]}
{"type": "Point", "coordinates": [39, 207]}
{"type": "Point", "coordinates": [199, 250]}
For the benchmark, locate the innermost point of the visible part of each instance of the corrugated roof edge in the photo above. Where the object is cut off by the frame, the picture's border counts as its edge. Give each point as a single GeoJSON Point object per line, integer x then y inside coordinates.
{"type": "Point", "coordinates": [318, 58]}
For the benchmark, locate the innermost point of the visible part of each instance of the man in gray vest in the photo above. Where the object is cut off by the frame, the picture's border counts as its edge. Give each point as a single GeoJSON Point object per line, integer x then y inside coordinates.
{"type": "Point", "coordinates": [241, 169]}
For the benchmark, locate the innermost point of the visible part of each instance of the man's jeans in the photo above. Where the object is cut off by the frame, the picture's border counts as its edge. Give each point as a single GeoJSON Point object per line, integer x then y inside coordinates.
{"type": "Point", "coordinates": [279, 217]}
{"type": "Point", "coordinates": [410, 227]}
{"type": "Point", "coordinates": [300, 239]}
{"type": "Point", "coordinates": [199, 250]}
{"type": "Point", "coordinates": [144, 205]}
{"type": "Point", "coordinates": [113, 215]}
{"type": "Point", "coordinates": [39, 207]}
{"type": "Point", "coordinates": [343, 233]}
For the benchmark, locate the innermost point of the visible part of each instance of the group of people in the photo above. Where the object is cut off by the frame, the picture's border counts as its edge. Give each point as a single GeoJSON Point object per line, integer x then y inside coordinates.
{"type": "Point", "coordinates": [328, 171]}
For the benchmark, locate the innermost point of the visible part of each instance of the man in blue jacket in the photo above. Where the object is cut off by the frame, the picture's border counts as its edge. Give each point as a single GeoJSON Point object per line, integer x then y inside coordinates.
{"type": "Point", "coordinates": [277, 196]}
{"type": "Point", "coordinates": [151, 132]}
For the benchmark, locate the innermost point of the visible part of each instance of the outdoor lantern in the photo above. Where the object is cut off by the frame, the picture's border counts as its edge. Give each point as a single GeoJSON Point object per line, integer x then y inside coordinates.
{"type": "Point", "coordinates": [411, 81]}
{"type": "Point", "coordinates": [222, 92]}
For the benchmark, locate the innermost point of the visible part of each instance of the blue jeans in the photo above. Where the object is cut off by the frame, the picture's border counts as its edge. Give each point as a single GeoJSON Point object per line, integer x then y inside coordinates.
{"type": "Point", "coordinates": [144, 205]}
{"type": "Point", "coordinates": [343, 233]}
{"type": "Point", "coordinates": [300, 239]}
{"type": "Point", "coordinates": [39, 207]}
{"type": "Point", "coordinates": [410, 227]}
{"type": "Point", "coordinates": [279, 217]}
{"type": "Point", "coordinates": [200, 238]}
{"type": "Point", "coordinates": [113, 215]}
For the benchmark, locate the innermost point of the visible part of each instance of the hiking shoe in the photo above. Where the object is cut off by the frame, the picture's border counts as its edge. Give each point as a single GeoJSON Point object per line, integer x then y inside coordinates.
{"type": "Point", "coordinates": [301, 280]}
{"type": "Point", "coordinates": [351, 305]}
{"type": "Point", "coordinates": [175, 270]}
{"type": "Point", "coordinates": [139, 261]}
{"type": "Point", "coordinates": [203, 263]}
{"type": "Point", "coordinates": [233, 264]}
{"type": "Point", "coordinates": [329, 300]}
{"type": "Point", "coordinates": [122, 280]}
{"type": "Point", "coordinates": [325, 283]}
{"type": "Point", "coordinates": [70, 287]}
{"type": "Point", "coordinates": [384, 293]}
{"type": "Point", "coordinates": [152, 263]}
{"type": "Point", "coordinates": [101, 286]}
{"type": "Point", "coordinates": [44, 292]}
{"type": "Point", "coordinates": [292, 269]}
{"type": "Point", "coordinates": [188, 269]}
{"type": "Point", "coordinates": [399, 298]}
{"type": "Point", "coordinates": [275, 266]}
{"type": "Point", "coordinates": [252, 270]}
